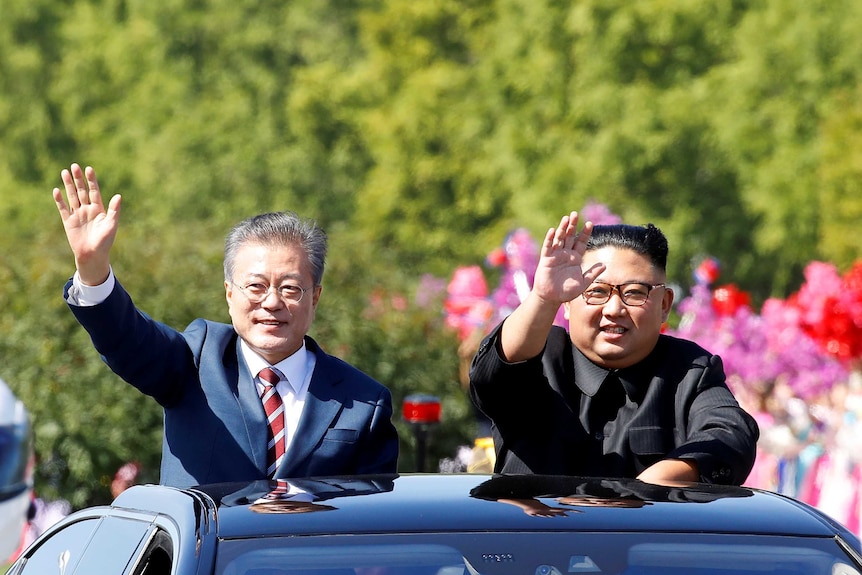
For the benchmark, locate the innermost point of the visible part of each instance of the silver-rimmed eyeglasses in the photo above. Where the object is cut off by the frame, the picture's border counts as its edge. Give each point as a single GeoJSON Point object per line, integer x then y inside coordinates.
{"type": "Point", "coordinates": [257, 292]}
{"type": "Point", "coordinates": [632, 293]}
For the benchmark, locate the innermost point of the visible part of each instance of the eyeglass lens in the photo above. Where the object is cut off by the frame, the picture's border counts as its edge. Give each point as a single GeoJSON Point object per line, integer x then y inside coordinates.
{"type": "Point", "coordinates": [635, 294]}
{"type": "Point", "coordinates": [257, 293]}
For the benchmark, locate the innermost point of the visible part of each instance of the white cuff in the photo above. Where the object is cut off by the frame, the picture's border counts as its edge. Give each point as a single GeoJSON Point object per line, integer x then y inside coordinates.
{"type": "Point", "coordinates": [86, 296]}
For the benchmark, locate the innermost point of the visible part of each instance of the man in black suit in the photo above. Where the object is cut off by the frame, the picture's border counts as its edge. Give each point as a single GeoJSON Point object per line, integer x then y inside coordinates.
{"type": "Point", "coordinates": [327, 417]}
{"type": "Point", "coordinates": [612, 397]}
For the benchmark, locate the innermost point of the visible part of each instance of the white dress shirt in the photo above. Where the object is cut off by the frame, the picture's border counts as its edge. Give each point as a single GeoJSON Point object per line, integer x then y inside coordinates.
{"type": "Point", "coordinates": [293, 387]}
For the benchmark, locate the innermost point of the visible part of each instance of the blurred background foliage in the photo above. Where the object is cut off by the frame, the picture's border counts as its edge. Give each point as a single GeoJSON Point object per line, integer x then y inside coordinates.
{"type": "Point", "coordinates": [418, 134]}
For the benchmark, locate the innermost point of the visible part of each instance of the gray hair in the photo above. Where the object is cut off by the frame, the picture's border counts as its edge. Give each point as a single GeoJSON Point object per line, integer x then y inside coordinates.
{"type": "Point", "coordinates": [278, 229]}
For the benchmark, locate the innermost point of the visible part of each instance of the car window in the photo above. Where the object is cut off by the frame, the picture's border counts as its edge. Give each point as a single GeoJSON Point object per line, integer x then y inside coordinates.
{"type": "Point", "coordinates": [61, 552]}
{"type": "Point", "coordinates": [157, 557]}
{"type": "Point", "coordinates": [546, 553]}
{"type": "Point", "coordinates": [346, 559]}
{"type": "Point", "coordinates": [114, 546]}
{"type": "Point", "coordinates": [106, 545]}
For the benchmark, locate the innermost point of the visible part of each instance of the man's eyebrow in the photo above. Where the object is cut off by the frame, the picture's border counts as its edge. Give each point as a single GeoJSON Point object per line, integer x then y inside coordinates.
{"type": "Point", "coordinates": [643, 282]}
{"type": "Point", "coordinates": [262, 276]}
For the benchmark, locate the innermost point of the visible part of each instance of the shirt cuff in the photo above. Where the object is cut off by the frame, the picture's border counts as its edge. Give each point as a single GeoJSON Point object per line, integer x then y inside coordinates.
{"type": "Point", "coordinates": [83, 295]}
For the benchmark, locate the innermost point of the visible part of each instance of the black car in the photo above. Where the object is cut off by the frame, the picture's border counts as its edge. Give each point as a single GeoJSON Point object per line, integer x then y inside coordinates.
{"type": "Point", "coordinates": [439, 524]}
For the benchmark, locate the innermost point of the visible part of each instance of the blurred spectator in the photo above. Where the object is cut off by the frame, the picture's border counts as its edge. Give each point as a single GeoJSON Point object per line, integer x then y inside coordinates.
{"type": "Point", "coordinates": [16, 472]}
{"type": "Point", "coordinates": [45, 515]}
{"type": "Point", "coordinates": [125, 477]}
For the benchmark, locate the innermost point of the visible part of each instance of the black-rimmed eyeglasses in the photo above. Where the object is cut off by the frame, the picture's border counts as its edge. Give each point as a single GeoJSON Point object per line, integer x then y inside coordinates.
{"type": "Point", "coordinates": [257, 292]}
{"type": "Point", "coordinates": [632, 293]}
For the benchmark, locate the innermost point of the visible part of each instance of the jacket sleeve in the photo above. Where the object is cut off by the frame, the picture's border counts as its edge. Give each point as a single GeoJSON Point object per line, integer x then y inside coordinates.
{"type": "Point", "coordinates": [145, 353]}
{"type": "Point", "coordinates": [719, 435]}
{"type": "Point", "coordinates": [499, 389]}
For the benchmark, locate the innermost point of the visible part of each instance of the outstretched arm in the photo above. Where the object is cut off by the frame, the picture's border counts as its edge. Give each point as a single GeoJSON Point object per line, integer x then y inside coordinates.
{"type": "Point", "coordinates": [559, 278]}
{"type": "Point", "coordinates": [90, 228]}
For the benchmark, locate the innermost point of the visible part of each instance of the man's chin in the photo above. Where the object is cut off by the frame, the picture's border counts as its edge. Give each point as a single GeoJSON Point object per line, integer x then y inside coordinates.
{"type": "Point", "coordinates": [273, 347]}
{"type": "Point", "coordinates": [612, 356]}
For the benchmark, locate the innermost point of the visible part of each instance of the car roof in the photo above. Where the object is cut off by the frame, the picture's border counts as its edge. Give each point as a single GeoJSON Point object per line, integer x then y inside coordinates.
{"type": "Point", "coordinates": [480, 503]}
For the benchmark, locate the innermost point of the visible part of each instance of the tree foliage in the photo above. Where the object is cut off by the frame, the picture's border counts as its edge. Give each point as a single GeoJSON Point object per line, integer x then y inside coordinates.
{"type": "Point", "coordinates": [418, 134]}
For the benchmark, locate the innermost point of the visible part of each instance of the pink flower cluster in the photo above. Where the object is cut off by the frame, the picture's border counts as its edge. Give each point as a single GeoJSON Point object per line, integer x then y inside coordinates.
{"type": "Point", "coordinates": [467, 305]}
{"type": "Point", "coordinates": [758, 350]}
{"type": "Point", "coordinates": [831, 309]}
{"type": "Point", "coordinates": [809, 341]}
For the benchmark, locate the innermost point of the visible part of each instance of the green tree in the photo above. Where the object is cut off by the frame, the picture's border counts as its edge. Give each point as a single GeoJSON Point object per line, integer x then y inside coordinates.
{"type": "Point", "coordinates": [791, 66]}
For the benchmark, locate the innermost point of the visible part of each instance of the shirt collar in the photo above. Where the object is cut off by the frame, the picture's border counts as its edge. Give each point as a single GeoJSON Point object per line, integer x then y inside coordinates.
{"type": "Point", "coordinates": [293, 367]}
{"type": "Point", "coordinates": [635, 379]}
{"type": "Point", "coordinates": [588, 375]}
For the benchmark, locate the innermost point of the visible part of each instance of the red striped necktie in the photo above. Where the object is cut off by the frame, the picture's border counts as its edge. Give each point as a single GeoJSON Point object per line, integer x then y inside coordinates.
{"type": "Point", "coordinates": [274, 409]}
{"type": "Point", "coordinates": [279, 491]}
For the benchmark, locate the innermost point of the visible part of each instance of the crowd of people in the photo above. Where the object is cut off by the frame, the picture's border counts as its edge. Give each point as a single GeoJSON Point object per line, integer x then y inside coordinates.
{"type": "Point", "coordinates": [809, 449]}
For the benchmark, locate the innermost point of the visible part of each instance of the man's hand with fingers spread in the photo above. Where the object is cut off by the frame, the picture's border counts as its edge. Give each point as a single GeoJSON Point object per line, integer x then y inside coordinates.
{"type": "Point", "coordinates": [90, 227]}
{"type": "Point", "coordinates": [559, 276]}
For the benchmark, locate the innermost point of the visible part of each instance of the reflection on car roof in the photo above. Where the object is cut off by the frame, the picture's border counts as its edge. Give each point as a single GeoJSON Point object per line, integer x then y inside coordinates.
{"type": "Point", "coordinates": [465, 502]}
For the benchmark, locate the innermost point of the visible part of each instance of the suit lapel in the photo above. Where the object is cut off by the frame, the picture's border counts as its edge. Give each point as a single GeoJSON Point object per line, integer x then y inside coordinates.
{"type": "Point", "coordinates": [251, 409]}
{"type": "Point", "coordinates": [323, 403]}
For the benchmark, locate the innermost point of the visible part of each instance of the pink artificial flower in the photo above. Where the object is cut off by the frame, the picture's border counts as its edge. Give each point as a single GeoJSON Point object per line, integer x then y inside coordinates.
{"type": "Point", "coordinates": [467, 306]}
{"type": "Point", "coordinates": [832, 309]}
{"type": "Point", "coordinates": [599, 214]}
{"type": "Point", "coordinates": [467, 282]}
{"type": "Point", "coordinates": [822, 285]}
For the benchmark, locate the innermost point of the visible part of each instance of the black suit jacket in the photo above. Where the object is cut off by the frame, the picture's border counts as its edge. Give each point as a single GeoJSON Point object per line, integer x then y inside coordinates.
{"type": "Point", "coordinates": [678, 406]}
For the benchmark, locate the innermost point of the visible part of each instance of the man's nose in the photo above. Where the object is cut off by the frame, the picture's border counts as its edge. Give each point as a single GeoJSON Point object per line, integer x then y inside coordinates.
{"type": "Point", "coordinates": [615, 304]}
{"type": "Point", "coordinates": [272, 299]}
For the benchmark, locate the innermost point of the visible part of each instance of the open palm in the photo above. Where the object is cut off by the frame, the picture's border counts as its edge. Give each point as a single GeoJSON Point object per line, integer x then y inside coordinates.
{"type": "Point", "coordinates": [90, 227]}
{"type": "Point", "coordinates": [559, 276]}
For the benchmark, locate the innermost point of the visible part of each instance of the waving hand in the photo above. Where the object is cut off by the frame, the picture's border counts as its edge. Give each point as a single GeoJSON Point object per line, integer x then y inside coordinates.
{"type": "Point", "coordinates": [90, 227]}
{"type": "Point", "coordinates": [559, 277]}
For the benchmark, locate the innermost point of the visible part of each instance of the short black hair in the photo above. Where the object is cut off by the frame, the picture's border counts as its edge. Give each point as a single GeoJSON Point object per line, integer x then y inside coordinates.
{"type": "Point", "coordinates": [646, 240]}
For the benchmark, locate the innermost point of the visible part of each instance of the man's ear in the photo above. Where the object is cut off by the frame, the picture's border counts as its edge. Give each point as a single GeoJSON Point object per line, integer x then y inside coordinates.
{"type": "Point", "coordinates": [666, 304]}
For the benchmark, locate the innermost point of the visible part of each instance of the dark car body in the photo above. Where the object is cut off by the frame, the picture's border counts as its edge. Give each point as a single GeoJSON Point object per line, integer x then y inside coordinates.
{"type": "Point", "coordinates": [439, 524]}
{"type": "Point", "coordinates": [16, 471]}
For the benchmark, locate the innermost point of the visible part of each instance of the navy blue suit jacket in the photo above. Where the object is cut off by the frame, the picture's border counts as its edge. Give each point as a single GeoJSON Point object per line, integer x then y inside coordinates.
{"type": "Point", "coordinates": [214, 426]}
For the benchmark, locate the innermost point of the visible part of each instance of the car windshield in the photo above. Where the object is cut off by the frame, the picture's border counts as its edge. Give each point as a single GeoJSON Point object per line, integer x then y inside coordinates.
{"type": "Point", "coordinates": [535, 554]}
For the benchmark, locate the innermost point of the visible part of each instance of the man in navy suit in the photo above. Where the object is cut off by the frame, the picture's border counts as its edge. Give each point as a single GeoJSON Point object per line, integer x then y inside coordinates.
{"type": "Point", "coordinates": [337, 420]}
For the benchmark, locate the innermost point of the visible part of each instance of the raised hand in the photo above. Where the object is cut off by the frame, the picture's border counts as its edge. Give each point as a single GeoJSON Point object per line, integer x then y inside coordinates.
{"type": "Point", "coordinates": [559, 277]}
{"type": "Point", "coordinates": [90, 228]}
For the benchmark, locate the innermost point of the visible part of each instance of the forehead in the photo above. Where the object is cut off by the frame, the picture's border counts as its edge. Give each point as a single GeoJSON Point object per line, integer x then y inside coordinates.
{"type": "Point", "coordinates": [253, 259]}
{"type": "Point", "coordinates": [621, 265]}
